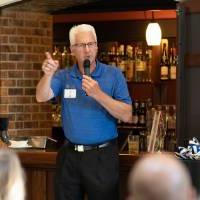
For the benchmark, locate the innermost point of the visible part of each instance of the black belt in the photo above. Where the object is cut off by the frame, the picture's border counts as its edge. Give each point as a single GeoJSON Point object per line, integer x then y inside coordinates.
{"type": "Point", "coordinates": [82, 148]}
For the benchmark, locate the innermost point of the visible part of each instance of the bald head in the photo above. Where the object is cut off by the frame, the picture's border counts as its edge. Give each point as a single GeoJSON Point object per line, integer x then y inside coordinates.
{"type": "Point", "coordinates": [160, 176]}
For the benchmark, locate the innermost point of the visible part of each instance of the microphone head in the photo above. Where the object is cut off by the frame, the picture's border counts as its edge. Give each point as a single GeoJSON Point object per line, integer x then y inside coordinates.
{"type": "Point", "coordinates": [86, 65]}
{"type": "Point", "coordinates": [3, 124]}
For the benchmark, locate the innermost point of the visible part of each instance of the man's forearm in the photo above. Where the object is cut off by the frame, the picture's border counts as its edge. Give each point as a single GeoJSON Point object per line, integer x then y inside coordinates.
{"type": "Point", "coordinates": [118, 109]}
{"type": "Point", "coordinates": [43, 89]}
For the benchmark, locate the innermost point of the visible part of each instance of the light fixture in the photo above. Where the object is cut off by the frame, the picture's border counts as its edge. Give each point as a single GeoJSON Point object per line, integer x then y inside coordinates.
{"type": "Point", "coordinates": [7, 2]}
{"type": "Point", "coordinates": [153, 33]}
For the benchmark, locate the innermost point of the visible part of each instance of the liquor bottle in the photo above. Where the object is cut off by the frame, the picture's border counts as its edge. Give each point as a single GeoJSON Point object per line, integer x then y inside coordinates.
{"type": "Point", "coordinates": [148, 64]}
{"type": "Point", "coordinates": [57, 55]}
{"type": "Point", "coordinates": [149, 114]}
{"type": "Point", "coordinates": [173, 64]}
{"type": "Point", "coordinates": [136, 113]}
{"type": "Point", "coordinates": [130, 63]}
{"type": "Point", "coordinates": [164, 64]}
{"type": "Point", "coordinates": [139, 65]}
{"type": "Point", "coordinates": [65, 58]}
{"type": "Point", "coordinates": [142, 114]}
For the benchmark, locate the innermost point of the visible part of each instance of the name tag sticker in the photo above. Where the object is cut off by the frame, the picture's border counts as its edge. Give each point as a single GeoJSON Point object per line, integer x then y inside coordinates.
{"type": "Point", "coordinates": [69, 93]}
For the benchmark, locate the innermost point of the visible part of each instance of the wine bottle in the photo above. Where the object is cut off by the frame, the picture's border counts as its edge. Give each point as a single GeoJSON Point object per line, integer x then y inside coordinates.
{"type": "Point", "coordinates": [173, 64]}
{"type": "Point", "coordinates": [164, 64]}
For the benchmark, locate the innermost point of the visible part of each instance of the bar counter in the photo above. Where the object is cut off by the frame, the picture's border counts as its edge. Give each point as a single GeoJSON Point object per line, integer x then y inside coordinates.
{"type": "Point", "coordinates": [40, 167]}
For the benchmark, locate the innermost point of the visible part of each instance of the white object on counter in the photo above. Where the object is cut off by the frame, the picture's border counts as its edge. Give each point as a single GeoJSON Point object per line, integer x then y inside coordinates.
{"type": "Point", "coordinates": [19, 144]}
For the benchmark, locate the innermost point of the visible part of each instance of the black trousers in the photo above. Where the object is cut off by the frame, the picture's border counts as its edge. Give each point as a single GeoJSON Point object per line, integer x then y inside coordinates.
{"type": "Point", "coordinates": [94, 172]}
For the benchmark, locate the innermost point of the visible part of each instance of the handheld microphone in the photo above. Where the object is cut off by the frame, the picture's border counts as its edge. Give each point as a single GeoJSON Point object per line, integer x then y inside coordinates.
{"type": "Point", "coordinates": [86, 65]}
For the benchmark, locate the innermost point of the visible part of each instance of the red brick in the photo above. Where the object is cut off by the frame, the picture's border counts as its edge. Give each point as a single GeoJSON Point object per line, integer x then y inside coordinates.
{"type": "Point", "coordinates": [31, 40]}
{"type": "Point", "coordinates": [3, 91]}
{"type": "Point", "coordinates": [3, 74]}
{"type": "Point", "coordinates": [3, 108]}
{"type": "Point", "coordinates": [8, 31]}
{"type": "Point", "coordinates": [4, 57]}
{"type": "Point", "coordinates": [15, 91]}
{"type": "Point", "coordinates": [16, 22]}
{"type": "Point", "coordinates": [31, 124]}
{"type": "Point", "coordinates": [15, 74]}
{"type": "Point", "coordinates": [19, 125]}
{"type": "Point", "coordinates": [31, 23]}
{"type": "Point", "coordinates": [8, 48]}
{"type": "Point", "coordinates": [24, 31]}
{"type": "Point", "coordinates": [23, 117]}
{"type": "Point", "coordinates": [37, 66]}
{"type": "Point", "coordinates": [45, 24]}
{"type": "Point", "coordinates": [24, 49]}
{"type": "Point", "coordinates": [39, 49]}
{"type": "Point", "coordinates": [8, 83]}
{"type": "Point", "coordinates": [46, 41]}
{"type": "Point", "coordinates": [16, 39]}
{"type": "Point", "coordinates": [7, 13]}
{"type": "Point", "coordinates": [45, 124]}
{"type": "Point", "coordinates": [15, 108]}
{"type": "Point", "coordinates": [32, 58]}
{"type": "Point", "coordinates": [8, 65]}
{"type": "Point", "coordinates": [3, 39]}
{"type": "Point", "coordinates": [39, 116]}
{"type": "Point", "coordinates": [32, 74]}
{"type": "Point", "coordinates": [31, 108]}
{"type": "Point", "coordinates": [3, 22]}
{"type": "Point", "coordinates": [45, 107]}
{"type": "Point", "coordinates": [29, 91]}
{"type": "Point", "coordinates": [24, 65]}
{"type": "Point", "coordinates": [16, 57]}
{"type": "Point", "coordinates": [25, 83]}
{"type": "Point", "coordinates": [7, 100]}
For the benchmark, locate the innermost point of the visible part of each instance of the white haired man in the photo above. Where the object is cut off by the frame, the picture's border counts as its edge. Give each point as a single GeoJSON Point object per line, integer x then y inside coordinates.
{"type": "Point", "coordinates": [91, 105]}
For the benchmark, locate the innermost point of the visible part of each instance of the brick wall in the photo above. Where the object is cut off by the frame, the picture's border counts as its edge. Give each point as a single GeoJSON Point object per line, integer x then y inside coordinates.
{"type": "Point", "coordinates": [24, 37]}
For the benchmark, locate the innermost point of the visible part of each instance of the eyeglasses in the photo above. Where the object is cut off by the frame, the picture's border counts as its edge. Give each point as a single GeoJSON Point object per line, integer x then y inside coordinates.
{"type": "Point", "coordinates": [83, 45]}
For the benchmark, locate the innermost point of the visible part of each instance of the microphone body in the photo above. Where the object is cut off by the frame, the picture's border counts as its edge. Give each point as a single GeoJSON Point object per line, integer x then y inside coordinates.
{"type": "Point", "coordinates": [86, 65]}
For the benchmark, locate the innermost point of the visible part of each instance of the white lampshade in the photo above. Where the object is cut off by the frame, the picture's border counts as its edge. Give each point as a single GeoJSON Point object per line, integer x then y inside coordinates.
{"type": "Point", "coordinates": [153, 34]}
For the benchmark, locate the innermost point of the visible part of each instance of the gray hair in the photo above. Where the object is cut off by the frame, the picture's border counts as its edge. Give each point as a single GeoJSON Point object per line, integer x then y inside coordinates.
{"type": "Point", "coordinates": [80, 28]}
{"type": "Point", "coordinates": [11, 177]}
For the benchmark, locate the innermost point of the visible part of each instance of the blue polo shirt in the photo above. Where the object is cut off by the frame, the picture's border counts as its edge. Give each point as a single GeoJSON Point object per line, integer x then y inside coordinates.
{"type": "Point", "coordinates": [84, 120]}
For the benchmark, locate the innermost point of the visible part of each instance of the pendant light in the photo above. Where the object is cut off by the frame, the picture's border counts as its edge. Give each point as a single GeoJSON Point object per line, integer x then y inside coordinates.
{"type": "Point", "coordinates": [153, 33]}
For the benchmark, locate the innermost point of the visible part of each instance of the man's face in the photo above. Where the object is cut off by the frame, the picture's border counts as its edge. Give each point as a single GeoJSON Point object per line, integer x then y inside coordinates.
{"type": "Point", "coordinates": [85, 47]}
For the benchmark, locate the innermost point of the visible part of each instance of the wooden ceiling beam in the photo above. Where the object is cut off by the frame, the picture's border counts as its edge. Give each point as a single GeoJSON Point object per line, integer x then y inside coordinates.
{"type": "Point", "coordinates": [113, 16]}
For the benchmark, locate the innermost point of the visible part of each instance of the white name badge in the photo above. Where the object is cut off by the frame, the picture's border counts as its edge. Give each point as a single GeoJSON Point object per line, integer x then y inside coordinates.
{"type": "Point", "coordinates": [70, 93]}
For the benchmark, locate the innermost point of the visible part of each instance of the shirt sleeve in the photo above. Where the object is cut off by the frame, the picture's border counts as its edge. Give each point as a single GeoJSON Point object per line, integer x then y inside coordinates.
{"type": "Point", "coordinates": [56, 83]}
{"type": "Point", "coordinates": [121, 92]}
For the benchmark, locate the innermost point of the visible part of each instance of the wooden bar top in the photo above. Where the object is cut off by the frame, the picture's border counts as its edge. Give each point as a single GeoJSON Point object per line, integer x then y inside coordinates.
{"type": "Point", "coordinates": [47, 158]}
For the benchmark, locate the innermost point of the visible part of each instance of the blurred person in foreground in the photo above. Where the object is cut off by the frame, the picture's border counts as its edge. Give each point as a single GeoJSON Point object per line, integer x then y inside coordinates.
{"type": "Point", "coordinates": [12, 183]}
{"type": "Point", "coordinates": [91, 105]}
{"type": "Point", "coordinates": [160, 177]}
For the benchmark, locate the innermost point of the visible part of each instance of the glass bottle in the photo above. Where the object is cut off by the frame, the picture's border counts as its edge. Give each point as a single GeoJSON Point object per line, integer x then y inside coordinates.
{"type": "Point", "coordinates": [135, 113]}
{"type": "Point", "coordinates": [65, 58]}
{"type": "Point", "coordinates": [130, 63]}
{"type": "Point", "coordinates": [173, 64]}
{"type": "Point", "coordinates": [164, 64]}
{"type": "Point", "coordinates": [139, 65]}
{"type": "Point", "coordinates": [57, 55]}
{"type": "Point", "coordinates": [142, 114]}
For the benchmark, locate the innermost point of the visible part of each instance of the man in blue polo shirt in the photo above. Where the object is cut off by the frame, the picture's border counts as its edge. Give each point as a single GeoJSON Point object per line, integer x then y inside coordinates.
{"type": "Point", "coordinates": [91, 105]}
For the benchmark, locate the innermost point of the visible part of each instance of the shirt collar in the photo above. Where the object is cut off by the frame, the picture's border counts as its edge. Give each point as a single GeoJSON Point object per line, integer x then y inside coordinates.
{"type": "Point", "coordinates": [76, 73]}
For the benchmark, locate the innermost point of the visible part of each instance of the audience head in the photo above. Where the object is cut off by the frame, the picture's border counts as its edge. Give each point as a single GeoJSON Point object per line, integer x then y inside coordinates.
{"type": "Point", "coordinates": [11, 177]}
{"type": "Point", "coordinates": [160, 176]}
